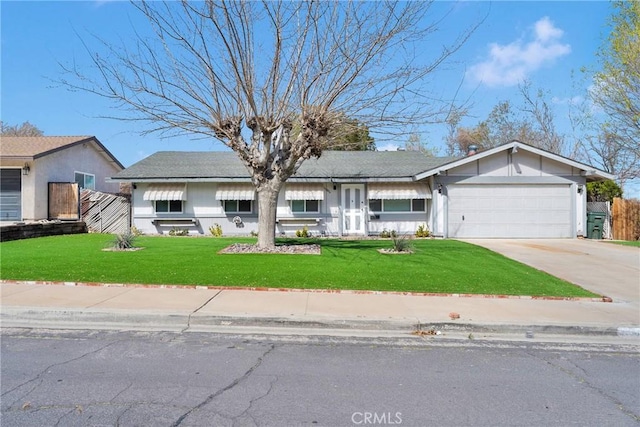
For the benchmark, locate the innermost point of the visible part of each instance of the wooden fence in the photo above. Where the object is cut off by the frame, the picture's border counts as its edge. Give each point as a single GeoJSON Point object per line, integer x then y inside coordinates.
{"type": "Point", "coordinates": [105, 213]}
{"type": "Point", "coordinates": [63, 201]}
{"type": "Point", "coordinates": [626, 219]}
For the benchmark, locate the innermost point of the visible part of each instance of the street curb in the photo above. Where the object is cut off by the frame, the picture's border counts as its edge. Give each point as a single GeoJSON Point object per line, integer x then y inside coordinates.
{"type": "Point", "coordinates": [329, 291]}
{"type": "Point", "coordinates": [31, 317]}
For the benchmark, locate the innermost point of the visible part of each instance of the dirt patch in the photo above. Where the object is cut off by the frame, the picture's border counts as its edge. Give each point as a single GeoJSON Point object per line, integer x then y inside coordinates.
{"type": "Point", "coordinates": [245, 248]}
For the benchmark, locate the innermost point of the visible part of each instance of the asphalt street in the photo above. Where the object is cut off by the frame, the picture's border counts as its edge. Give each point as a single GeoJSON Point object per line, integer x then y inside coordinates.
{"type": "Point", "coordinates": [79, 378]}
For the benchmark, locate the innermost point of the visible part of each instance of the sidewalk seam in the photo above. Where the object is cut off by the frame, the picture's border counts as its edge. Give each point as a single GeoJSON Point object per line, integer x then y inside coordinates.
{"type": "Point", "coordinates": [197, 309]}
{"type": "Point", "coordinates": [110, 298]}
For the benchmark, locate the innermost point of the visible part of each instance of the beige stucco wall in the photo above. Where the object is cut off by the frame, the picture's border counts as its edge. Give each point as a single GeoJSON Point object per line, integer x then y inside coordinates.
{"type": "Point", "coordinates": [61, 167]}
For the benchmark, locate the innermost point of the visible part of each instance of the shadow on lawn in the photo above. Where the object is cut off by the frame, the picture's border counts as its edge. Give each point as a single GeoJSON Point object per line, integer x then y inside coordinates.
{"type": "Point", "coordinates": [336, 243]}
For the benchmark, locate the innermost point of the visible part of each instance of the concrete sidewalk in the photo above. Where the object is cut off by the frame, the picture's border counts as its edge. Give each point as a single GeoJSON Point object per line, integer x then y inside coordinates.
{"type": "Point", "coordinates": [204, 309]}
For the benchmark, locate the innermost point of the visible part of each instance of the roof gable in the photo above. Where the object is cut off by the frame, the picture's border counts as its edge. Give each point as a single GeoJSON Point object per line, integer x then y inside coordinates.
{"type": "Point", "coordinates": [516, 145]}
{"type": "Point", "coordinates": [39, 146]}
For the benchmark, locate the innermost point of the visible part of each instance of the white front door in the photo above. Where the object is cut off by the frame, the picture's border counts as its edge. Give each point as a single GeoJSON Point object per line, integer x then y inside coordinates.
{"type": "Point", "coordinates": [353, 208]}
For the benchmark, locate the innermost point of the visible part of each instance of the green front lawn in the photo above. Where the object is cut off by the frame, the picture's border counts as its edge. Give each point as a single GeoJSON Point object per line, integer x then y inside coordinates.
{"type": "Point", "coordinates": [442, 266]}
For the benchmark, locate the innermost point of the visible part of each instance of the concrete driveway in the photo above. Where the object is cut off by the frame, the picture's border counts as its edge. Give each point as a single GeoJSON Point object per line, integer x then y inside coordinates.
{"type": "Point", "coordinates": [601, 267]}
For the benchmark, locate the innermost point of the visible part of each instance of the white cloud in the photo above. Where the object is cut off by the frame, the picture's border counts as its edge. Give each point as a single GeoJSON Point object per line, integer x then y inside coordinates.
{"type": "Point", "coordinates": [388, 147]}
{"type": "Point", "coordinates": [511, 64]}
{"type": "Point", "coordinates": [575, 100]}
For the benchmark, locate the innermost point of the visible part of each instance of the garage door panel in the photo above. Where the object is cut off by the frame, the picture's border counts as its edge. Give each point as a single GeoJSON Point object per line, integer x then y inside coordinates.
{"type": "Point", "coordinates": [522, 211]}
{"type": "Point", "coordinates": [10, 194]}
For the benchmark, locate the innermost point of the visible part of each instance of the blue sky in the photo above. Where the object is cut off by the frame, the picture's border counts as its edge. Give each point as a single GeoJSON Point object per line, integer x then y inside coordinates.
{"type": "Point", "coordinates": [542, 42]}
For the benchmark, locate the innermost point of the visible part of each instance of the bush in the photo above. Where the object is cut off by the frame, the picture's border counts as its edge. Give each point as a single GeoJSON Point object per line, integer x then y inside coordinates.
{"type": "Point", "coordinates": [386, 234]}
{"type": "Point", "coordinates": [303, 233]}
{"type": "Point", "coordinates": [423, 231]}
{"type": "Point", "coordinates": [216, 230]}
{"type": "Point", "coordinates": [135, 231]}
{"type": "Point", "coordinates": [175, 231]}
{"type": "Point", "coordinates": [402, 243]}
{"type": "Point", "coordinates": [123, 241]}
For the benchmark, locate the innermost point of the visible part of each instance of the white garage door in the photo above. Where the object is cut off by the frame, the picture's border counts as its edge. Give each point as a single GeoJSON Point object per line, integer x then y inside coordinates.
{"type": "Point", "coordinates": [504, 211]}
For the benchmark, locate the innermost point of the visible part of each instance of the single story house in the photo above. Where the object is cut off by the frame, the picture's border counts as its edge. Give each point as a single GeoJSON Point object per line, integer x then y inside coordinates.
{"type": "Point", "coordinates": [29, 164]}
{"type": "Point", "coordinates": [514, 190]}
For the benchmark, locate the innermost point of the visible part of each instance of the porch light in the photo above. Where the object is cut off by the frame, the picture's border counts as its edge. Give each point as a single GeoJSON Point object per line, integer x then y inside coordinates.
{"type": "Point", "coordinates": [580, 189]}
{"type": "Point", "coordinates": [439, 188]}
{"type": "Point", "coordinates": [26, 169]}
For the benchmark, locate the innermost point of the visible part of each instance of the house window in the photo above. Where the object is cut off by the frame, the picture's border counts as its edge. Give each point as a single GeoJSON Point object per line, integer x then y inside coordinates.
{"type": "Point", "coordinates": [305, 205]}
{"type": "Point", "coordinates": [85, 180]}
{"type": "Point", "coordinates": [397, 205]}
{"type": "Point", "coordinates": [238, 206]}
{"type": "Point", "coordinates": [168, 206]}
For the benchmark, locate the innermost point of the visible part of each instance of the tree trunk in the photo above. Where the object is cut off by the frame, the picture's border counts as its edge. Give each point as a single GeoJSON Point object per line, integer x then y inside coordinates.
{"type": "Point", "coordinates": [267, 206]}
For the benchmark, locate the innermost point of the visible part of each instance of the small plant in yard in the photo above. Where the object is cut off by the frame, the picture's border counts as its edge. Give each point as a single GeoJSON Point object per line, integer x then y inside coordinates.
{"type": "Point", "coordinates": [386, 234]}
{"type": "Point", "coordinates": [123, 241]}
{"type": "Point", "coordinates": [135, 231]}
{"type": "Point", "coordinates": [303, 233]}
{"type": "Point", "coordinates": [401, 243]}
{"type": "Point", "coordinates": [253, 233]}
{"type": "Point", "coordinates": [216, 230]}
{"type": "Point", "coordinates": [175, 231]}
{"type": "Point", "coordinates": [423, 231]}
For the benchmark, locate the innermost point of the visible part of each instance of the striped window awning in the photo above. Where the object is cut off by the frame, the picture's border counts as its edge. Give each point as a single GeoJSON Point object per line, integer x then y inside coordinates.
{"type": "Point", "coordinates": [304, 192]}
{"type": "Point", "coordinates": [235, 192]}
{"type": "Point", "coordinates": [399, 191]}
{"type": "Point", "coordinates": [166, 192]}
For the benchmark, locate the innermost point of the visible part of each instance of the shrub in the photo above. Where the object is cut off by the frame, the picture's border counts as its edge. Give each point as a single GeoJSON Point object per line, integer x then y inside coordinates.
{"type": "Point", "coordinates": [123, 241]}
{"type": "Point", "coordinates": [216, 230]}
{"type": "Point", "coordinates": [135, 231]}
{"type": "Point", "coordinates": [253, 233]}
{"type": "Point", "coordinates": [386, 234]}
{"type": "Point", "coordinates": [175, 231]}
{"type": "Point", "coordinates": [303, 233]}
{"type": "Point", "coordinates": [423, 231]}
{"type": "Point", "coordinates": [401, 243]}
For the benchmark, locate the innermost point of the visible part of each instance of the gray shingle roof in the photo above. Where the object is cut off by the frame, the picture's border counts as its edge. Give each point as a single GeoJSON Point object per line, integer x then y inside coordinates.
{"type": "Point", "coordinates": [40, 146]}
{"type": "Point", "coordinates": [332, 164]}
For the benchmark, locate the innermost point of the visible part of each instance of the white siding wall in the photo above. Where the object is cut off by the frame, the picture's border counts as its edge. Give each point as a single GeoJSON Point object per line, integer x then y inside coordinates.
{"type": "Point", "coordinates": [202, 204]}
{"type": "Point", "coordinates": [403, 223]}
{"type": "Point", "coordinates": [328, 224]}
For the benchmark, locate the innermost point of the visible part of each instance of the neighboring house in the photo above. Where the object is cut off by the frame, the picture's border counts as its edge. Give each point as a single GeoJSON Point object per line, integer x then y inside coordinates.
{"type": "Point", "coordinates": [514, 190]}
{"type": "Point", "coordinates": [29, 164]}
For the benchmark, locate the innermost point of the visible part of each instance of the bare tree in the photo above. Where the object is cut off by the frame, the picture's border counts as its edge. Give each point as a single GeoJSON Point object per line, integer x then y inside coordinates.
{"type": "Point", "coordinates": [25, 129]}
{"type": "Point", "coordinates": [245, 72]}
{"type": "Point", "coordinates": [415, 143]}
{"type": "Point", "coordinates": [532, 122]}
